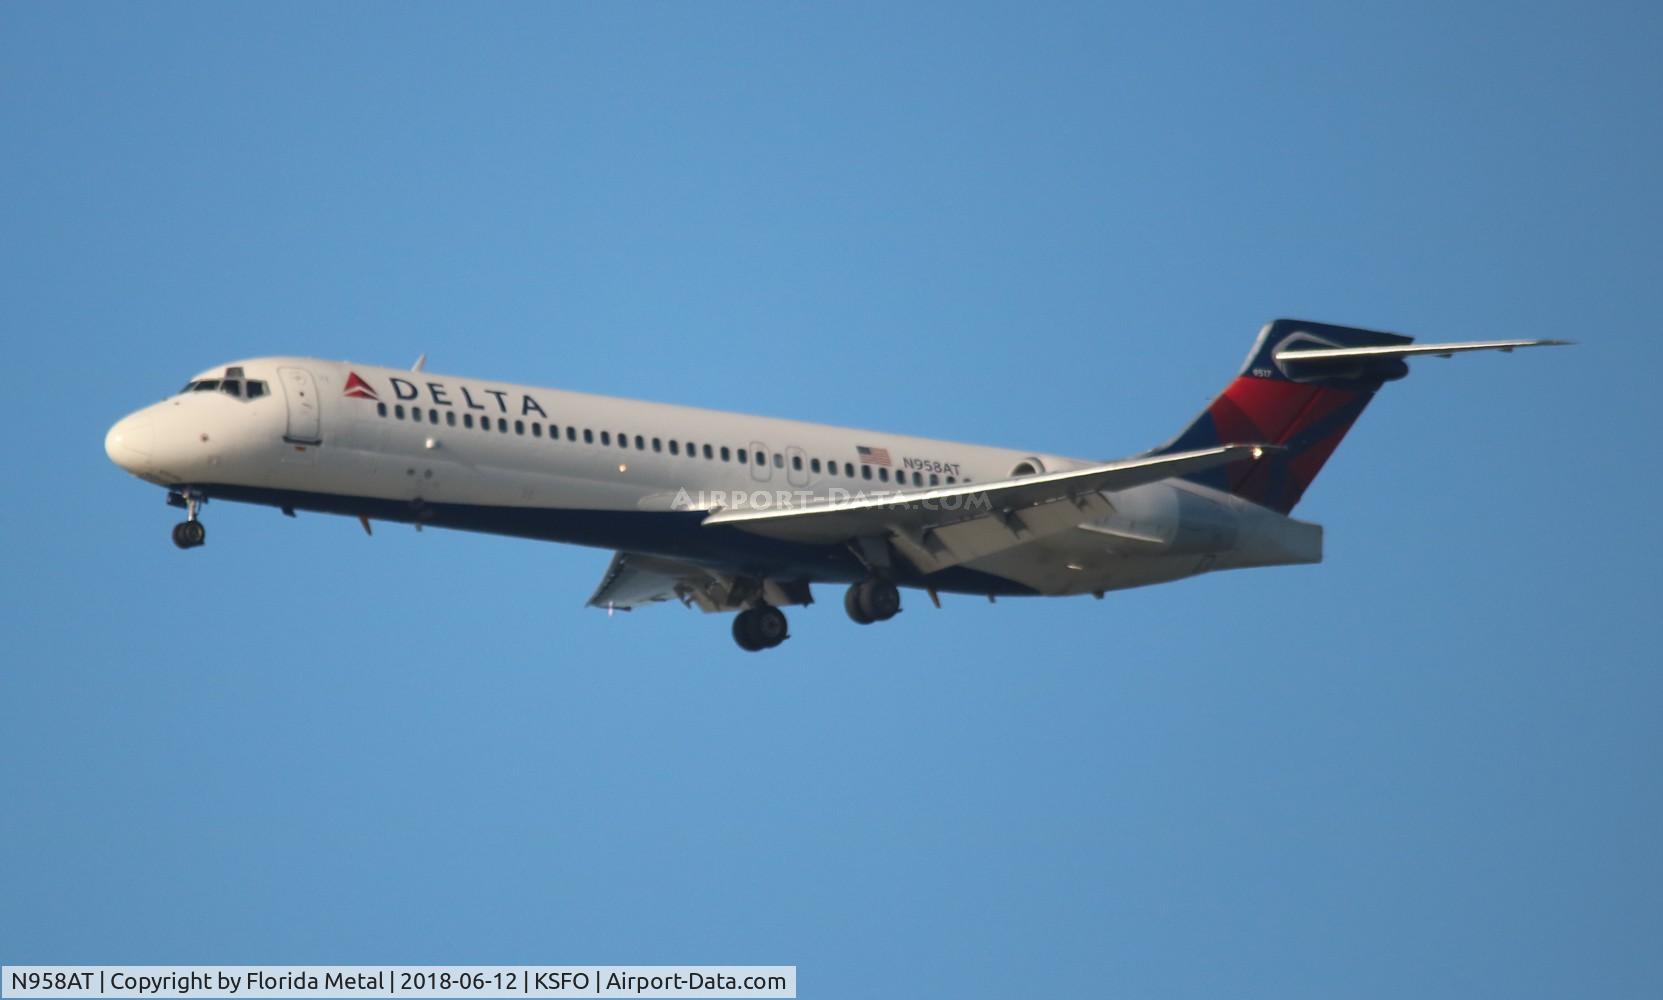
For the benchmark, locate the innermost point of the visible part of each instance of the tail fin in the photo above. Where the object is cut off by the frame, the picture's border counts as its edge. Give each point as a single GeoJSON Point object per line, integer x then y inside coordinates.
{"type": "Point", "coordinates": [1306, 407]}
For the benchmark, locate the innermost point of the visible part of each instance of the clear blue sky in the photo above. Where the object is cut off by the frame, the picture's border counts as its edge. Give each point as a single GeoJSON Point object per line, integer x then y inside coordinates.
{"type": "Point", "coordinates": [1428, 767]}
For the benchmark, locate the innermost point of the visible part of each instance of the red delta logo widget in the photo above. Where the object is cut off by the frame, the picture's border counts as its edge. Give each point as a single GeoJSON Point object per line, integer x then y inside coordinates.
{"type": "Point", "coordinates": [357, 388]}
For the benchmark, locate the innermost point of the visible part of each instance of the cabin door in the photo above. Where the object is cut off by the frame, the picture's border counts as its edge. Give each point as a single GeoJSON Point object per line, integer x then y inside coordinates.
{"type": "Point", "coordinates": [300, 391]}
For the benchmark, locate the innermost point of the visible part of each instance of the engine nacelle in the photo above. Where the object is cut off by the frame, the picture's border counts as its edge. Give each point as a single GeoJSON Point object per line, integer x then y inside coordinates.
{"type": "Point", "coordinates": [1167, 521]}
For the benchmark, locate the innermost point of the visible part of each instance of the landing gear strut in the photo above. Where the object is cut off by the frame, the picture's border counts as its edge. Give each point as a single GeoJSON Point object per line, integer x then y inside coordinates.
{"type": "Point", "coordinates": [872, 601]}
{"type": "Point", "coordinates": [189, 533]}
{"type": "Point", "coordinates": [758, 628]}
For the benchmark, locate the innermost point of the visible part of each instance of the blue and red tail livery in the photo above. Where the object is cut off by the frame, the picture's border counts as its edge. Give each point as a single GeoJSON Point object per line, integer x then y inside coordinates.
{"type": "Point", "coordinates": [1304, 407]}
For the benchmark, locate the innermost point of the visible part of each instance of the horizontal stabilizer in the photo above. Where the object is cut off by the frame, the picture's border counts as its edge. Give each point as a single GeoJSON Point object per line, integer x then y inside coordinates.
{"type": "Point", "coordinates": [1305, 355]}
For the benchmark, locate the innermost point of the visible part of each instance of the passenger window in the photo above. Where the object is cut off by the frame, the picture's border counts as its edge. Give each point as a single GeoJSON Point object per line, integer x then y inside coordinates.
{"type": "Point", "coordinates": [571, 433]}
{"type": "Point", "coordinates": [866, 472]}
{"type": "Point", "coordinates": [935, 480]}
{"type": "Point", "coordinates": [432, 416]}
{"type": "Point", "coordinates": [658, 445]}
{"type": "Point", "coordinates": [519, 427]}
{"type": "Point", "coordinates": [640, 443]}
{"type": "Point", "coordinates": [589, 436]}
{"type": "Point", "coordinates": [398, 411]}
{"type": "Point", "coordinates": [416, 414]}
{"type": "Point", "coordinates": [675, 446]}
{"type": "Point", "coordinates": [502, 425]}
{"type": "Point", "coordinates": [623, 440]}
{"type": "Point", "coordinates": [951, 480]}
{"type": "Point", "coordinates": [725, 454]}
{"type": "Point", "coordinates": [813, 464]}
{"type": "Point", "coordinates": [883, 475]}
{"type": "Point", "coordinates": [918, 479]}
{"type": "Point", "coordinates": [467, 421]}
{"type": "Point", "coordinates": [450, 418]}
{"type": "Point", "coordinates": [709, 454]}
{"type": "Point", "coordinates": [692, 452]}
{"type": "Point", "coordinates": [606, 437]}
{"type": "Point", "coordinates": [849, 470]}
{"type": "Point", "coordinates": [536, 429]}
{"type": "Point", "coordinates": [381, 409]}
{"type": "Point", "coordinates": [743, 455]}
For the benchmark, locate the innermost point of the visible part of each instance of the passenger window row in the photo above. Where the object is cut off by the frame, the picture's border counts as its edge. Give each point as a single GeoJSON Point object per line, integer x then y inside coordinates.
{"type": "Point", "coordinates": [711, 453]}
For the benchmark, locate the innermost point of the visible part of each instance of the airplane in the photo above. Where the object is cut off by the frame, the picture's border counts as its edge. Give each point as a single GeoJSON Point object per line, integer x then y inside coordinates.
{"type": "Point", "coordinates": [734, 513]}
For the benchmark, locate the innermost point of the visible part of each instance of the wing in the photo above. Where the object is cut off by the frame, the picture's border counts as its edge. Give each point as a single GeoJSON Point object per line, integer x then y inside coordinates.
{"type": "Point", "coordinates": [938, 528]}
{"type": "Point", "coordinates": [634, 580]}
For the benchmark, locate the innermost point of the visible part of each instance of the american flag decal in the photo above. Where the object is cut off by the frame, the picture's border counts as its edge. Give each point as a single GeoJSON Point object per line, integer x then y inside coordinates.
{"type": "Point", "coordinates": [872, 456]}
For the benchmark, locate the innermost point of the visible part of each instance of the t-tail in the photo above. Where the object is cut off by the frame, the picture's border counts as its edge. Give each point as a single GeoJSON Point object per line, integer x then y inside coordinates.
{"type": "Point", "coordinates": [1303, 386]}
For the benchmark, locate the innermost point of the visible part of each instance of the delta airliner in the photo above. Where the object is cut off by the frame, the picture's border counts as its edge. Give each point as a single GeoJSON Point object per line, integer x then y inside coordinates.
{"type": "Point", "coordinates": [728, 512]}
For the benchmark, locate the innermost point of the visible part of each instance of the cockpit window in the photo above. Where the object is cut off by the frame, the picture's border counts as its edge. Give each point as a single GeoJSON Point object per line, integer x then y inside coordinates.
{"type": "Point", "coordinates": [240, 388]}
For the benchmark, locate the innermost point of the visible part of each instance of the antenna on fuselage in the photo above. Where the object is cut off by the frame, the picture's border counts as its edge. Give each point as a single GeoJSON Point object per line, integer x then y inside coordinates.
{"type": "Point", "coordinates": [419, 362]}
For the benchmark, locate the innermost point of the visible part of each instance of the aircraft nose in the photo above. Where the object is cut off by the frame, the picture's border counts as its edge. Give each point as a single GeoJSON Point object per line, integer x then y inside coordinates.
{"type": "Point", "coordinates": [129, 442]}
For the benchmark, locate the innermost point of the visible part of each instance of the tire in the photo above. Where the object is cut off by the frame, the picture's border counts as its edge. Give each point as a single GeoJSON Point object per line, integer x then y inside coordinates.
{"type": "Point", "coordinates": [852, 604]}
{"type": "Point", "coordinates": [742, 632]}
{"type": "Point", "coordinates": [879, 600]}
{"type": "Point", "coordinates": [768, 626]}
{"type": "Point", "coordinates": [189, 534]}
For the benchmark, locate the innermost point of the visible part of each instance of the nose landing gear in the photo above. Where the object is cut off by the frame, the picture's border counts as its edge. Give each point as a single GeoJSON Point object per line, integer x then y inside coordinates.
{"type": "Point", "coordinates": [189, 533]}
{"type": "Point", "coordinates": [759, 628]}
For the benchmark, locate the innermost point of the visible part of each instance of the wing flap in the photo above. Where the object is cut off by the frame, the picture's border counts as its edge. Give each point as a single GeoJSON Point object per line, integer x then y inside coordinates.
{"type": "Point", "coordinates": [939, 548]}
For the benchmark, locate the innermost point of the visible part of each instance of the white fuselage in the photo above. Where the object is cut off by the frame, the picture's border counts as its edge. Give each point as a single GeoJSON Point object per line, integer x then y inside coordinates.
{"type": "Point", "coordinates": [637, 476]}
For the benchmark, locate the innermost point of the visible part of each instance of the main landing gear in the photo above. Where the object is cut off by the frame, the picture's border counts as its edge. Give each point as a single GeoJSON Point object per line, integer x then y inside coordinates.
{"type": "Point", "coordinates": [759, 628]}
{"type": "Point", "coordinates": [872, 601]}
{"type": "Point", "coordinates": [763, 626]}
{"type": "Point", "coordinates": [189, 533]}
